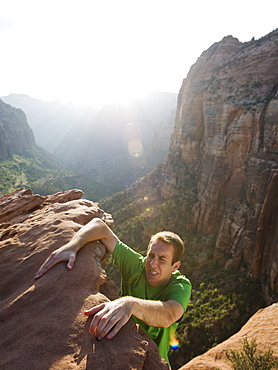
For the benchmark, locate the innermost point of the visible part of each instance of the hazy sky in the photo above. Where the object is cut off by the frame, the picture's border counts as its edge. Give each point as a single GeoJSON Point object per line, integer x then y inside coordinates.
{"type": "Point", "coordinates": [87, 51]}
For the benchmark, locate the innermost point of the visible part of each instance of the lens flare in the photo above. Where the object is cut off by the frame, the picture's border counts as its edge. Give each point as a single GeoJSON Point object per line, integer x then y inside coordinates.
{"type": "Point", "coordinates": [174, 343]}
{"type": "Point", "coordinates": [135, 147]}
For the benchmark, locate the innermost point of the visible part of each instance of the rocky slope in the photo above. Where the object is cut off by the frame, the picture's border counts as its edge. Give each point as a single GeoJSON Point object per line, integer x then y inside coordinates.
{"type": "Point", "coordinates": [42, 322]}
{"type": "Point", "coordinates": [15, 134]}
{"type": "Point", "coordinates": [263, 327]}
{"type": "Point", "coordinates": [223, 158]}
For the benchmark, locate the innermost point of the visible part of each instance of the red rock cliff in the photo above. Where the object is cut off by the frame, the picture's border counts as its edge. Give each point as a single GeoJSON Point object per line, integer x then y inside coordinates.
{"type": "Point", "coordinates": [224, 149]}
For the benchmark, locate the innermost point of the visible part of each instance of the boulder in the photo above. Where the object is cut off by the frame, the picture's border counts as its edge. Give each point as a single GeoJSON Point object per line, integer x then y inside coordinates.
{"type": "Point", "coordinates": [42, 321]}
{"type": "Point", "coordinates": [263, 326]}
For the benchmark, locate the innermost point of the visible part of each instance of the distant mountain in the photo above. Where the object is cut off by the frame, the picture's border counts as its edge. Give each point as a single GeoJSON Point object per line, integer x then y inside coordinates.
{"type": "Point", "coordinates": [16, 137]}
{"type": "Point", "coordinates": [114, 145]}
{"type": "Point", "coordinates": [121, 144]}
{"type": "Point", "coordinates": [50, 121]}
{"type": "Point", "coordinates": [24, 164]}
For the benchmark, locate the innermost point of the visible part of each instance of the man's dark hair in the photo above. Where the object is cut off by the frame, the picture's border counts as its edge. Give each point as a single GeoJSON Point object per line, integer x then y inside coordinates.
{"type": "Point", "coordinates": [170, 238]}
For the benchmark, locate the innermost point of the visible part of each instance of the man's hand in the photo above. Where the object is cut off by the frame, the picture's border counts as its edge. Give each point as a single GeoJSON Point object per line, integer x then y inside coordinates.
{"type": "Point", "coordinates": [64, 253]}
{"type": "Point", "coordinates": [110, 317]}
{"type": "Point", "coordinates": [96, 229]}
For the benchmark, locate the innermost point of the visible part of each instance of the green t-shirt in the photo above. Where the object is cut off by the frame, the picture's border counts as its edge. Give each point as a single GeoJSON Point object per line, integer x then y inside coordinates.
{"type": "Point", "coordinates": [134, 283]}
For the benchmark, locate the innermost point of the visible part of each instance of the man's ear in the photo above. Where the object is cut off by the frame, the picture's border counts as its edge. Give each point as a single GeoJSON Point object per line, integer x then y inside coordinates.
{"type": "Point", "coordinates": [176, 265]}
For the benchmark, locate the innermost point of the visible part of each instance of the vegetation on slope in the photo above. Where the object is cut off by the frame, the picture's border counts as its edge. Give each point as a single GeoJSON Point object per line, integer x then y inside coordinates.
{"type": "Point", "coordinates": [249, 359]}
{"type": "Point", "coordinates": [222, 299]}
{"type": "Point", "coordinates": [40, 171]}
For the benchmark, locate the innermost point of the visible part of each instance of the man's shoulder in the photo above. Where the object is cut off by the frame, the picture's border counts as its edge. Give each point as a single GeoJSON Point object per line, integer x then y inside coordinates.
{"type": "Point", "coordinates": [124, 248]}
{"type": "Point", "coordinates": [179, 278]}
{"type": "Point", "coordinates": [126, 258]}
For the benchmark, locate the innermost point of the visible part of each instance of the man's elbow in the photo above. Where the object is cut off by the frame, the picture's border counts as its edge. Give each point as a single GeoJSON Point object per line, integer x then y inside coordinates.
{"type": "Point", "coordinates": [174, 314]}
{"type": "Point", "coordinates": [168, 321]}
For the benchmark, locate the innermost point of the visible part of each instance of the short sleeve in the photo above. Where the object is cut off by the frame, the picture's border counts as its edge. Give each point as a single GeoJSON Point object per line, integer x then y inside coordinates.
{"type": "Point", "coordinates": [127, 259]}
{"type": "Point", "coordinates": [179, 290]}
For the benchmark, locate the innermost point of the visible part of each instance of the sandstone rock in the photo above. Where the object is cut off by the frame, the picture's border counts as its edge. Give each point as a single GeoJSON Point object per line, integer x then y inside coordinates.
{"type": "Point", "coordinates": [263, 326]}
{"type": "Point", "coordinates": [42, 321]}
{"type": "Point", "coordinates": [23, 201]}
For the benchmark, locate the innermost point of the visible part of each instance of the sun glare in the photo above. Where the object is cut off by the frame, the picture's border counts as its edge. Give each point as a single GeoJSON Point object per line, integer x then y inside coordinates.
{"type": "Point", "coordinates": [135, 147]}
{"type": "Point", "coordinates": [97, 52]}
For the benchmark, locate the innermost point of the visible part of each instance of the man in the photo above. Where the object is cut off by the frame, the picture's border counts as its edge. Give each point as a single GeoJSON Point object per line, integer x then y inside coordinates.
{"type": "Point", "coordinates": [154, 292]}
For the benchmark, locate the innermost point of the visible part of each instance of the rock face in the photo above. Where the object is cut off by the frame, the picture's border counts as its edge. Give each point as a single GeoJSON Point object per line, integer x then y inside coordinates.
{"type": "Point", "coordinates": [42, 321]}
{"type": "Point", "coordinates": [15, 135]}
{"type": "Point", "coordinates": [263, 326]}
{"type": "Point", "coordinates": [224, 151]}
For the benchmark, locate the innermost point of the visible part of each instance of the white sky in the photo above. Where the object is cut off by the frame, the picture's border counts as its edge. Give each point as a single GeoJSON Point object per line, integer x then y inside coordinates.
{"type": "Point", "coordinates": [87, 51]}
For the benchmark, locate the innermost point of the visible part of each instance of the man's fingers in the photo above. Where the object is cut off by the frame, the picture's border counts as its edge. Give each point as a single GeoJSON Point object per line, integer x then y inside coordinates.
{"type": "Point", "coordinates": [57, 256]}
{"type": "Point", "coordinates": [104, 325]}
{"type": "Point", "coordinates": [108, 320]}
{"type": "Point", "coordinates": [45, 267]}
{"type": "Point", "coordinates": [94, 309]}
{"type": "Point", "coordinates": [100, 320]}
{"type": "Point", "coordinates": [71, 263]}
{"type": "Point", "coordinates": [116, 328]}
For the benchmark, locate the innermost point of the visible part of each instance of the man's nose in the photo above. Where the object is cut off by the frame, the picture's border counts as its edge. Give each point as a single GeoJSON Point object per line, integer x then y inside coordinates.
{"type": "Point", "coordinates": [153, 261]}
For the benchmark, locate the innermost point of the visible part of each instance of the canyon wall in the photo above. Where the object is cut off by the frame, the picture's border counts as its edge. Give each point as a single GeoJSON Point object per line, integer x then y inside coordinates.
{"type": "Point", "coordinates": [224, 147]}
{"type": "Point", "coordinates": [15, 134]}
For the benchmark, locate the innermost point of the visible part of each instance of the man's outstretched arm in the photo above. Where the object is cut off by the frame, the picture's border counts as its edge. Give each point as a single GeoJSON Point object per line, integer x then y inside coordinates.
{"type": "Point", "coordinates": [93, 230]}
{"type": "Point", "coordinates": [110, 317]}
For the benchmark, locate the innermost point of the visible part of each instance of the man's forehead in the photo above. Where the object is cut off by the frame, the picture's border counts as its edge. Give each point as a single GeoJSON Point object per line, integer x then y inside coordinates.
{"type": "Point", "coordinates": [161, 248]}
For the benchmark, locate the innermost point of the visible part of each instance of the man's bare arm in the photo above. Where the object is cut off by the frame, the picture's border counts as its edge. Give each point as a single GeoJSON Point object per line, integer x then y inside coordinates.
{"type": "Point", "coordinates": [93, 230]}
{"type": "Point", "coordinates": [110, 317]}
{"type": "Point", "coordinates": [156, 313]}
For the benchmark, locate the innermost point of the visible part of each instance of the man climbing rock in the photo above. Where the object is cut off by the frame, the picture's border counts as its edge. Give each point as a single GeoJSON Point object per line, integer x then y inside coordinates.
{"type": "Point", "coordinates": [154, 293]}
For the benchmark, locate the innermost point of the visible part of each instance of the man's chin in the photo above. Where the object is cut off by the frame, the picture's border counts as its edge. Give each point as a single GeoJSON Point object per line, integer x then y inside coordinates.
{"type": "Point", "coordinates": [153, 280]}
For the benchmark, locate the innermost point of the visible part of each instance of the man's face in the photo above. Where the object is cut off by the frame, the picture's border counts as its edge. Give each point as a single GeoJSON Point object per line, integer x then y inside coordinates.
{"type": "Point", "coordinates": [158, 265]}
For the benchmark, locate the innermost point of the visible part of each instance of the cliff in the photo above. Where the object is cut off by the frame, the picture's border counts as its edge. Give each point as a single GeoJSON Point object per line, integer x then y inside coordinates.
{"type": "Point", "coordinates": [226, 135]}
{"type": "Point", "coordinates": [42, 321]}
{"type": "Point", "coordinates": [222, 164]}
{"type": "Point", "coordinates": [15, 134]}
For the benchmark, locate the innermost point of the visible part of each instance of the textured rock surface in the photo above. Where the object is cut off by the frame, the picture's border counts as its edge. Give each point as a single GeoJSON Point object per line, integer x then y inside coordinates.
{"type": "Point", "coordinates": [42, 321]}
{"type": "Point", "coordinates": [223, 157]}
{"type": "Point", "coordinates": [263, 326]}
{"type": "Point", "coordinates": [227, 128]}
{"type": "Point", "coordinates": [15, 134]}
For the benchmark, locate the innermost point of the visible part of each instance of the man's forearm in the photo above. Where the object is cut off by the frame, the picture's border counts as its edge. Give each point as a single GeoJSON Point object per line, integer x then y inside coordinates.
{"type": "Point", "coordinates": [93, 230]}
{"type": "Point", "coordinates": [110, 317]}
{"type": "Point", "coordinates": [155, 313]}
{"type": "Point", "coordinates": [96, 229]}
